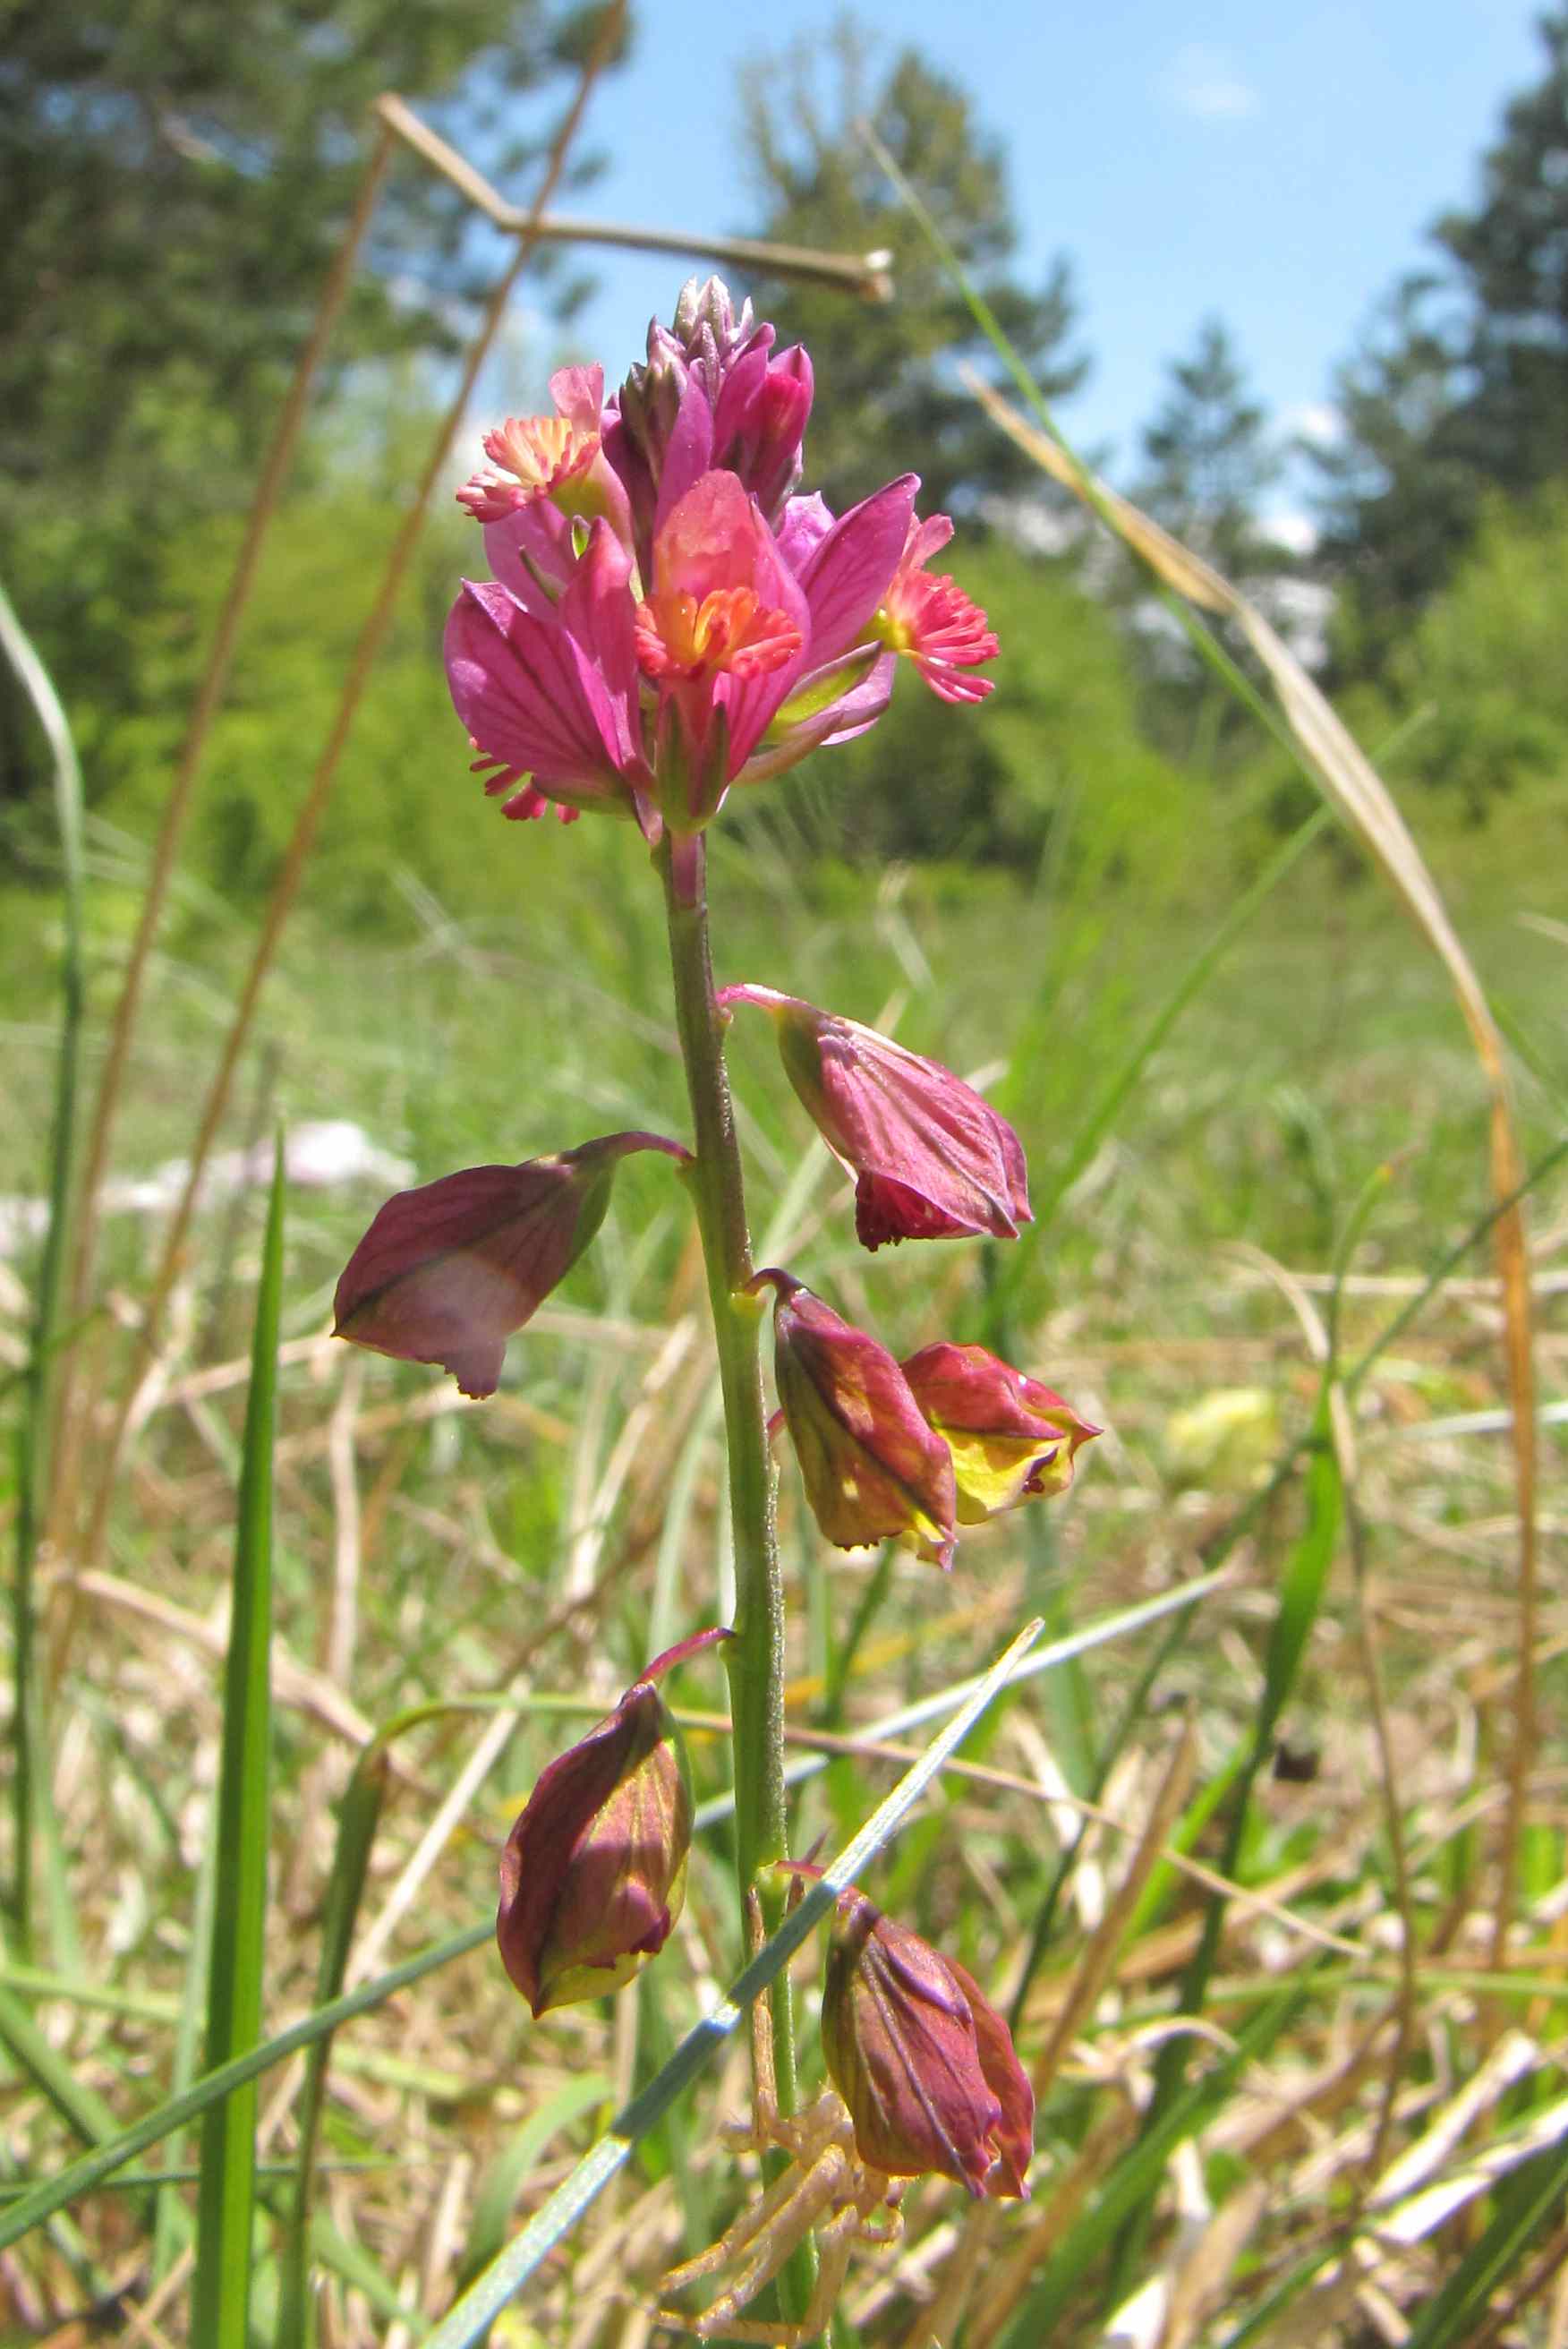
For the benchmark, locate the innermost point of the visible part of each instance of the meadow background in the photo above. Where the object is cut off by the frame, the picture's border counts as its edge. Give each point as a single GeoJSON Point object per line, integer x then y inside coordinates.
{"type": "Point", "coordinates": [1258, 1141]}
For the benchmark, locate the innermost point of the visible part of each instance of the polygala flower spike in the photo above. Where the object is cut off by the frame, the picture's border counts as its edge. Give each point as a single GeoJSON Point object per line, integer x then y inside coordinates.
{"type": "Point", "coordinates": [593, 1874]}
{"type": "Point", "coordinates": [667, 618]}
{"type": "Point", "coordinates": [1011, 1439]}
{"type": "Point", "coordinates": [445, 1273]}
{"type": "Point", "coordinates": [930, 1159]}
{"type": "Point", "coordinates": [873, 1469]}
{"type": "Point", "coordinates": [923, 2060]}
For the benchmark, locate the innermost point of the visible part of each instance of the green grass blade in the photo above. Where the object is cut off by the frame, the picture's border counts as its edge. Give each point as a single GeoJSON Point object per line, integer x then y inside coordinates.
{"type": "Point", "coordinates": [1119, 1085]}
{"type": "Point", "coordinates": [1048, 1659]}
{"type": "Point", "coordinates": [1301, 1593]}
{"type": "Point", "coordinates": [1136, 2176]}
{"type": "Point", "coordinates": [41, 2201]}
{"type": "Point", "coordinates": [225, 2209]}
{"type": "Point", "coordinates": [1448, 1265]}
{"type": "Point", "coordinates": [31, 1807]}
{"type": "Point", "coordinates": [471, 2319]}
{"type": "Point", "coordinates": [357, 1828]}
{"type": "Point", "coordinates": [81, 2108]}
{"type": "Point", "coordinates": [171, 2228]}
{"type": "Point", "coordinates": [503, 2180]}
{"type": "Point", "coordinates": [1305, 1580]}
{"type": "Point", "coordinates": [1530, 2198]}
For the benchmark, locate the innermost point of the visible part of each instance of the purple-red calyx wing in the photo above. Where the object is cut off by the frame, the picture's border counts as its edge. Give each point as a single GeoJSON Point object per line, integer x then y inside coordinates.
{"type": "Point", "coordinates": [930, 1159]}
{"type": "Point", "coordinates": [873, 1469]}
{"type": "Point", "coordinates": [1012, 1439]}
{"type": "Point", "coordinates": [592, 1877]}
{"type": "Point", "coordinates": [446, 1272]}
{"type": "Point", "coordinates": [923, 2061]}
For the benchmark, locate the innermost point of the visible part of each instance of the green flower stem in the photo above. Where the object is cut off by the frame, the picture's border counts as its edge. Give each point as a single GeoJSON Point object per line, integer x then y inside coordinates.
{"type": "Point", "coordinates": [755, 1657]}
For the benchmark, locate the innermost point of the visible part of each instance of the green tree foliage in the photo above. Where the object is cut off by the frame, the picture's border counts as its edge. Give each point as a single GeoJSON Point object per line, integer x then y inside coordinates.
{"type": "Point", "coordinates": [1210, 459]}
{"type": "Point", "coordinates": [1053, 762]}
{"type": "Point", "coordinates": [175, 180]}
{"type": "Point", "coordinates": [404, 777]}
{"type": "Point", "coordinates": [1462, 387]}
{"type": "Point", "coordinates": [1485, 670]}
{"type": "Point", "coordinates": [889, 396]}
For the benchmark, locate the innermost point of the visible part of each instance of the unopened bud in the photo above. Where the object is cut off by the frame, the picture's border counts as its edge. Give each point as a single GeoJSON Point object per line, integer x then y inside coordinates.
{"type": "Point", "coordinates": [921, 2059]}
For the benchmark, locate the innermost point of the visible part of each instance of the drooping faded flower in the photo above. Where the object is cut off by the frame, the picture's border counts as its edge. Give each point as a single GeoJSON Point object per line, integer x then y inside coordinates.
{"type": "Point", "coordinates": [873, 1469]}
{"type": "Point", "coordinates": [446, 1272]}
{"type": "Point", "coordinates": [921, 2059]}
{"type": "Point", "coordinates": [1011, 1438]}
{"type": "Point", "coordinates": [666, 619]}
{"type": "Point", "coordinates": [930, 1159]}
{"type": "Point", "coordinates": [592, 1877]}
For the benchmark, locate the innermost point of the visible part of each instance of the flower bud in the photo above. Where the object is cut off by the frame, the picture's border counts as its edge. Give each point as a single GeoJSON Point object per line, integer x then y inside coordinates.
{"type": "Point", "coordinates": [1010, 1437]}
{"type": "Point", "coordinates": [921, 2059]}
{"type": "Point", "coordinates": [930, 1159]}
{"type": "Point", "coordinates": [593, 1874]}
{"type": "Point", "coordinates": [446, 1272]}
{"type": "Point", "coordinates": [873, 1469]}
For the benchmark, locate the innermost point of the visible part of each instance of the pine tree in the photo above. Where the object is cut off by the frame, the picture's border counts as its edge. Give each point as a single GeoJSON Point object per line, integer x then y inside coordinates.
{"type": "Point", "coordinates": [892, 387]}
{"type": "Point", "coordinates": [1210, 459]}
{"type": "Point", "coordinates": [1461, 388]}
{"type": "Point", "coordinates": [175, 180]}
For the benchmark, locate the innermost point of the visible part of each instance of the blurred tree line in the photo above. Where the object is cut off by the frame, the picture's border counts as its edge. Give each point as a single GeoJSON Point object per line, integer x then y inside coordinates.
{"type": "Point", "coordinates": [173, 196]}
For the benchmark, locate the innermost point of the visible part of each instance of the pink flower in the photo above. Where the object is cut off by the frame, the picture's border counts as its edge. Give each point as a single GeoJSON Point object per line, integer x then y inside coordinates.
{"type": "Point", "coordinates": [666, 620]}
{"type": "Point", "coordinates": [873, 1469]}
{"type": "Point", "coordinates": [551, 703]}
{"type": "Point", "coordinates": [930, 1159]}
{"type": "Point", "coordinates": [933, 622]}
{"type": "Point", "coordinates": [923, 2060]}
{"type": "Point", "coordinates": [714, 394]}
{"type": "Point", "coordinates": [446, 1272]}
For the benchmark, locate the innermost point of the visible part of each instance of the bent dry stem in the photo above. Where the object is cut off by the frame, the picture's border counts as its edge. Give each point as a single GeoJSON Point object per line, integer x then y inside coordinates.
{"type": "Point", "coordinates": [755, 1657]}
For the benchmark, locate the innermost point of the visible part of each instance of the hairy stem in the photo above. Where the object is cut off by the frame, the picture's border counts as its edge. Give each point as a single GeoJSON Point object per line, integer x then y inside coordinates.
{"type": "Point", "coordinates": [755, 1657]}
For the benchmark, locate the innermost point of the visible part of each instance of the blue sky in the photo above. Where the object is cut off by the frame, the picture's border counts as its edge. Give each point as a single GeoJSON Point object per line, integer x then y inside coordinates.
{"type": "Point", "coordinates": [1277, 165]}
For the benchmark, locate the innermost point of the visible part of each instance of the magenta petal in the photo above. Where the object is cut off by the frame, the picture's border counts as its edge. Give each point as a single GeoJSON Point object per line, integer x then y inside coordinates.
{"type": "Point", "coordinates": [598, 612]}
{"type": "Point", "coordinates": [855, 711]}
{"type": "Point", "coordinates": [805, 523]}
{"type": "Point", "coordinates": [751, 704]}
{"type": "Point", "coordinates": [849, 573]}
{"type": "Point", "coordinates": [578, 396]}
{"type": "Point", "coordinates": [1013, 2135]}
{"type": "Point", "coordinates": [532, 696]}
{"type": "Point", "coordinates": [688, 451]}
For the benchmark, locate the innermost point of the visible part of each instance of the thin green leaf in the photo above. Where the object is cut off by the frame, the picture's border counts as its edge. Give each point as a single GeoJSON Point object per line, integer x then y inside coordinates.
{"type": "Point", "coordinates": [1048, 1659]}
{"type": "Point", "coordinates": [357, 1827]}
{"type": "Point", "coordinates": [504, 2179]}
{"type": "Point", "coordinates": [42, 2200]}
{"type": "Point", "coordinates": [1532, 2198]}
{"type": "Point", "coordinates": [1305, 1580]}
{"type": "Point", "coordinates": [473, 2314]}
{"type": "Point", "coordinates": [1302, 1587]}
{"type": "Point", "coordinates": [81, 2108]}
{"type": "Point", "coordinates": [225, 2209]}
{"type": "Point", "coordinates": [1118, 1088]}
{"type": "Point", "coordinates": [171, 2228]}
{"type": "Point", "coordinates": [32, 1806]}
{"type": "Point", "coordinates": [1136, 2176]}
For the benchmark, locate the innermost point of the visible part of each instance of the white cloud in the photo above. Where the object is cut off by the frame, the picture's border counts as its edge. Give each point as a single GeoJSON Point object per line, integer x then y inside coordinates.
{"type": "Point", "coordinates": [1205, 82]}
{"type": "Point", "coordinates": [1290, 528]}
{"type": "Point", "coordinates": [1315, 420]}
